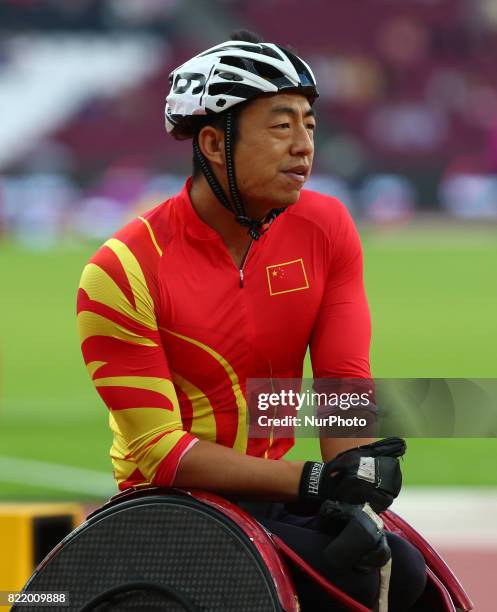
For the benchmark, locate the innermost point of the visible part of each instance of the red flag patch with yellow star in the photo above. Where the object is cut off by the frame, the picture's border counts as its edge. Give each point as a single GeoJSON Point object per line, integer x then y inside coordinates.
{"type": "Point", "coordinates": [286, 277]}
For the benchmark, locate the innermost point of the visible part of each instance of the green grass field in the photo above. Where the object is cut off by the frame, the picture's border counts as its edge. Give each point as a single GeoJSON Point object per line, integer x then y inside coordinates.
{"type": "Point", "coordinates": [433, 297]}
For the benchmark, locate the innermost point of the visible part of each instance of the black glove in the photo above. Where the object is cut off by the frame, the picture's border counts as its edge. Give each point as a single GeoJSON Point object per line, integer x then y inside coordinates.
{"type": "Point", "coordinates": [361, 542]}
{"type": "Point", "coordinates": [369, 473]}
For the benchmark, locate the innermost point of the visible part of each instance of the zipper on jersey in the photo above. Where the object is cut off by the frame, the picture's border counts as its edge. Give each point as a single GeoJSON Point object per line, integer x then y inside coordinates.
{"type": "Point", "coordinates": [243, 264]}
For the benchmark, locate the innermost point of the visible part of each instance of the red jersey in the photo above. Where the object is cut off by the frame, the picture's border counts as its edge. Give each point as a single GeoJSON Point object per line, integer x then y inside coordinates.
{"type": "Point", "coordinates": [171, 329]}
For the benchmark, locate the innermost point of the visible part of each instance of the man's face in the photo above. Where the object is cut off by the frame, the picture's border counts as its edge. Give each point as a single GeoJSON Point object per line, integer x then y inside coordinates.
{"type": "Point", "coordinates": [274, 150]}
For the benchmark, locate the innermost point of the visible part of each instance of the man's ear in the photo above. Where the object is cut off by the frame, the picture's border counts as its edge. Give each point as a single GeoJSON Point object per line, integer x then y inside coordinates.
{"type": "Point", "coordinates": [211, 143]}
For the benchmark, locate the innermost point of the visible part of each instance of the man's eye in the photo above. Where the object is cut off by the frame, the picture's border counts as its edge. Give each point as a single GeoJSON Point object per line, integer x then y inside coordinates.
{"type": "Point", "coordinates": [282, 125]}
{"type": "Point", "coordinates": [311, 126]}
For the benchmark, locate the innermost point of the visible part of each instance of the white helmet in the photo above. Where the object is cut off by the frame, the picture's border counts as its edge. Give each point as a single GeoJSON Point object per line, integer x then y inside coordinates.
{"type": "Point", "coordinates": [229, 74]}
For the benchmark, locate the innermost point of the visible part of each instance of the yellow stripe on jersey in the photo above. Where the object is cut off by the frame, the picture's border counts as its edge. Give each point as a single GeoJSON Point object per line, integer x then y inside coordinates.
{"type": "Point", "coordinates": [123, 468]}
{"type": "Point", "coordinates": [152, 235]}
{"type": "Point", "coordinates": [91, 324]}
{"type": "Point", "coordinates": [138, 284]}
{"type": "Point", "coordinates": [203, 420]}
{"type": "Point", "coordinates": [102, 288]}
{"type": "Point", "coordinates": [150, 383]}
{"type": "Point", "coordinates": [150, 423]}
{"type": "Point", "coordinates": [119, 447]}
{"type": "Point", "coordinates": [93, 366]}
{"type": "Point", "coordinates": [241, 432]}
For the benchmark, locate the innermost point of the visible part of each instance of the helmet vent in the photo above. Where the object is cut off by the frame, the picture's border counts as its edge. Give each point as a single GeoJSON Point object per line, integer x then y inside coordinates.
{"type": "Point", "coordinates": [228, 76]}
{"type": "Point", "coordinates": [237, 62]}
{"type": "Point", "coordinates": [266, 71]}
{"type": "Point", "coordinates": [270, 52]}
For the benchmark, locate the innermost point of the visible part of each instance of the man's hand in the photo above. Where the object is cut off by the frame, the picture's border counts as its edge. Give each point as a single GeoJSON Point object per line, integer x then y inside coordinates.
{"type": "Point", "coordinates": [369, 473]}
{"type": "Point", "coordinates": [361, 542]}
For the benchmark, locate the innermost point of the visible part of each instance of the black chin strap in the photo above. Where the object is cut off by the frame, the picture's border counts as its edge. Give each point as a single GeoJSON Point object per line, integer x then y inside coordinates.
{"type": "Point", "coordinates": [209, 176]}
{"type": "Point", "coordinates": [255, 227]}
{"type": "Point", "coordinates": [230, 169]}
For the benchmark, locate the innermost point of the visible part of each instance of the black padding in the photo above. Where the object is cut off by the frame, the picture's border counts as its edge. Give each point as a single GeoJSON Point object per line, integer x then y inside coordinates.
{"type": "Point", "coordinates": [173, 541]}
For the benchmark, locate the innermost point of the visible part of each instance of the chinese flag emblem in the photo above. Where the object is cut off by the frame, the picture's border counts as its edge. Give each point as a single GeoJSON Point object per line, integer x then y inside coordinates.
{"type": "Point", "coordinates": [287, 277]}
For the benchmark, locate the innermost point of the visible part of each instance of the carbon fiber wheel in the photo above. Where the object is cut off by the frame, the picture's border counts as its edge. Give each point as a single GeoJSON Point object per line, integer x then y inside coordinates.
{"type": "Point", "coordinates": [157, 553]}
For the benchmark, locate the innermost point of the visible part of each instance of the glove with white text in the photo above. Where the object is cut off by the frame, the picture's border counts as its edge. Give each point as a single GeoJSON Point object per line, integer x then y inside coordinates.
{"type": "Point", "coordinates": [369, 473]}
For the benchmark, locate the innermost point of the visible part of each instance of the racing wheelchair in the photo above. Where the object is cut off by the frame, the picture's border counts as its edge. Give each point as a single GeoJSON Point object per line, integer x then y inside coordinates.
{"type": "Point", "coordinates": [151, 548]}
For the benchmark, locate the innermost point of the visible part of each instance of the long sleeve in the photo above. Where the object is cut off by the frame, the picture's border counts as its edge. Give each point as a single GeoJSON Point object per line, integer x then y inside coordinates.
{"type": "Point", "coordinates": [125, 358]}
{"type": "Point", "coordinates": [341, 335]}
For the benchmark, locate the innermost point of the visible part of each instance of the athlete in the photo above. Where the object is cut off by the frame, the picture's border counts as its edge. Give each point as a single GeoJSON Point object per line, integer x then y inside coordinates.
{"type": "Point", "coordinates": [233, 279]}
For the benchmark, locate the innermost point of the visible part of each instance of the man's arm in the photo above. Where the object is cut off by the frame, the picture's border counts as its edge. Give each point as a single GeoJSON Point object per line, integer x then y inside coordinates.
{"type": "Point", "coordinates": [342, 332]}
{"type": "Point", "coordinates": [331, 447]}
{"type": "Point", "coordinates": [124, 355]}
{"type": "Point", "coordinates": [223, 470]}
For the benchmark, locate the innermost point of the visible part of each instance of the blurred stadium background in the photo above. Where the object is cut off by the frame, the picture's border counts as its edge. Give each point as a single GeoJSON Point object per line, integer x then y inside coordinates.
{"type": "Point", "coordinates": [407, 138]}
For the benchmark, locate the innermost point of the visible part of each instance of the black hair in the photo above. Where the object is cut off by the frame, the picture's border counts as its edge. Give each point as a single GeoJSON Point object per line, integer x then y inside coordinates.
{"type": "Point", "coordinates": [246, 36]}
{"type": "Point", "coordinates": [218, 120]}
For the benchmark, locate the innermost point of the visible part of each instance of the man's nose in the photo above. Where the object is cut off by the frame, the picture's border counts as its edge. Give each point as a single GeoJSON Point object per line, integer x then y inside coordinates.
{"type": "Point", "coordinates": [303, 143]}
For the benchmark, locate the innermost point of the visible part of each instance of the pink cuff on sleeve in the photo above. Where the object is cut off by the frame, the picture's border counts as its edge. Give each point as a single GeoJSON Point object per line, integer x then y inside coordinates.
{"type": "Point", "coordinates": [167, 468]}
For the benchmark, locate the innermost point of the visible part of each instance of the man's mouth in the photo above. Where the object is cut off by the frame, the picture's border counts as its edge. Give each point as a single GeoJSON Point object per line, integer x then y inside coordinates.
{"type": "Point", "coordinates": [298, 174]}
